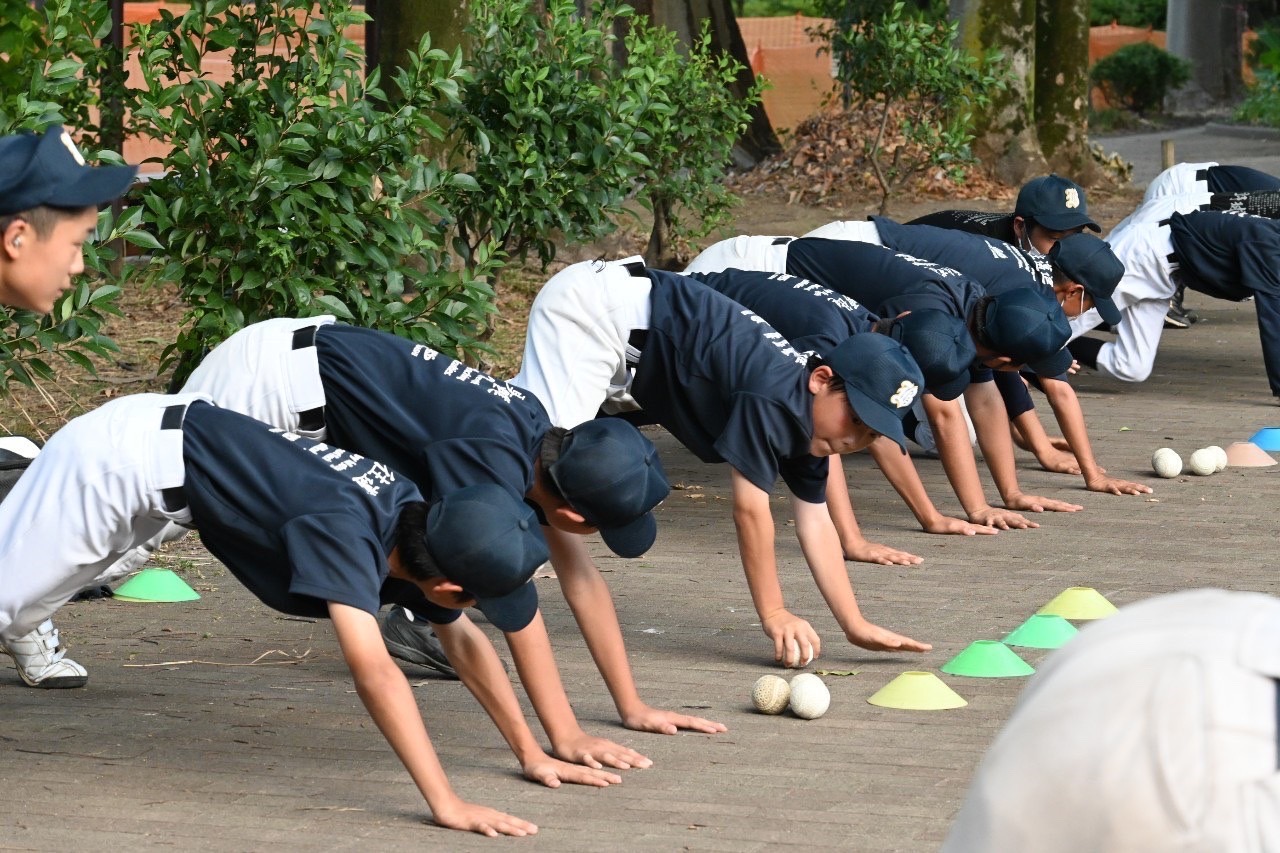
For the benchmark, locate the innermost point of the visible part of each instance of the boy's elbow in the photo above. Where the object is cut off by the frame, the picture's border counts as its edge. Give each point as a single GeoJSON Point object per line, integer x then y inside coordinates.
{"type": "Point", "coordinates": [373, 677]}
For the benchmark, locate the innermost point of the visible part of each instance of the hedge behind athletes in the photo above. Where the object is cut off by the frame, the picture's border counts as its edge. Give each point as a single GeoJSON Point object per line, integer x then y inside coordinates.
{"type": "Point", "coordinates": [298, 187]}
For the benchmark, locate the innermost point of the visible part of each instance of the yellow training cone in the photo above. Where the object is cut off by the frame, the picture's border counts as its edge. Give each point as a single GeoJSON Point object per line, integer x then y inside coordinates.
{"type": "Point", "coordinates": [155, 585]}
{"type": "Point", "coordinates": [917, 691]}
{"type": "Point", "coordinates": [1079, 602]}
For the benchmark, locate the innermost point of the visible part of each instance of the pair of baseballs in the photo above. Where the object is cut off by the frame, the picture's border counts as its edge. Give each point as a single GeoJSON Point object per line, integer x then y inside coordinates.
{"type": "Point", "coordinates": [807, 695]}
{"type": "Point", "coordinates": [1207, 460]}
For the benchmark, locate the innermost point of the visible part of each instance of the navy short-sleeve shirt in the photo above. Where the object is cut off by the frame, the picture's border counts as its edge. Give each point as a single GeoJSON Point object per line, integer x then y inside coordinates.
{"type": "Point", "coordinates": [299, 522]}
{"type": "Point", "coordinates": [888, 282]}
{"type": "Point", "coordinates": [997, 265]}
{"type": "Point", "coordinates": [985, 223]}
{"type": "Point", "coordinates": [812, 317]}
{"type": "Point", "coordinates": [440, 423]}
{"type": "Point", "coordinates": [728, 386]}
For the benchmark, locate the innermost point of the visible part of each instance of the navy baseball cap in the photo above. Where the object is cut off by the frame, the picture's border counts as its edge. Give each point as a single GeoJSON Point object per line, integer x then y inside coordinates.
{"type": "Point", "coordinates": [48, 169]}
{"type": "Point", "coordinates": [487, 542]}
{"type": "Point", "coordinates": [941, 346]}
{"type": "Point", "coordinates": [1028, 326]}
{"type": "Point", "coordinates": [1054, 202]}
{"type": "Point", "coordinates": [1089, 261]}
{"type": "Point", "coordinates": [610, 473]}
{"type": "Point", "coordinates": [881, 380]}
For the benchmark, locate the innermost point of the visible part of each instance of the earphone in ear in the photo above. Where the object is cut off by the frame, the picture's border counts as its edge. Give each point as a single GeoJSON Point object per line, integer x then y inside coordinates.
{"type": "Point", "coordinates": [17, 241]}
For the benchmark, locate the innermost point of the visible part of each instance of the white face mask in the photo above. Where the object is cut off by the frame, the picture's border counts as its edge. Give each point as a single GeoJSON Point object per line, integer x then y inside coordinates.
{"type": "Point", "coordinates": [1063, 302]}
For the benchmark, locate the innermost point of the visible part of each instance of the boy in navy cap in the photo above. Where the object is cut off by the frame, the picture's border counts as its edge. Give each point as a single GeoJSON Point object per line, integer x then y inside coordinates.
{"type": "Point", "coordinates": [445, 426]}
{"type": "Point", "coordinates": [49, 199]}
{"type": "Point", "coordinates": [1049, 217]}
{"type": "Point", "coordinates": [619, 337]}
{"type": "Point", "coordinates": [1227, 255]}
{"type": "Point", "coordinates": [816, 319]}
{"type": "Point", "coordinates": [1030, 331]}
{"type": "Point", "coordinates": [312, 530]}
{"type": "Point", "coordinates": [1048, 209]}
{"type": "Point", "coordinates": [997, 266]}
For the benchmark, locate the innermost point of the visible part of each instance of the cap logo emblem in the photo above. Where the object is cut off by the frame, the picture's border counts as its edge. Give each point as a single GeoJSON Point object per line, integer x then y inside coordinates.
{"type": "Point", "coordinates": [1072, 198]}
{"type": "Point", "coordinates": [70, 145]}
{"type": "Point", "coordinates": [905, 394]}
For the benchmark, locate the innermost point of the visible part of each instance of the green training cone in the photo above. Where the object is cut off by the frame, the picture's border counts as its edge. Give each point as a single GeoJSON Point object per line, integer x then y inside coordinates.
{"type": "Point", "coordinates": [1042, 631]}
{"type": "Point", "coordinates": [917, 691]}
{"type": "Point", "coordinates": [988, 659]}
{"type": "Point", "coordinates": [1078, 602]}
{"type": "Point", "coordinates": [155, 585]}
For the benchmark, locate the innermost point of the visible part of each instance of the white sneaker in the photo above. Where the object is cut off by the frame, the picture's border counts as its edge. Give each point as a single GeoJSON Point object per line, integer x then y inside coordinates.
{"type": "Point", "coordinates": [41, 660]}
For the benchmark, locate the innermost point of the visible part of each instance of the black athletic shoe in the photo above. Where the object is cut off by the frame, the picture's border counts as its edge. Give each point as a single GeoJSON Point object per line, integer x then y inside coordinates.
{"type": "Point", "coordinates": [93, 593]}
{"type": "Point", "coordinates": [1179, 317]}
{"type": "Point", "coordinates": [410, 640]}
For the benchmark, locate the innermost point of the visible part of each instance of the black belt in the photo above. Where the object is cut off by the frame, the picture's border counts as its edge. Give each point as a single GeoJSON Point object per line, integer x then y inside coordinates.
{"type": "Point", "coordinates": [312, 419]}
{"type": "Point", "coordinates": [636, 340]}
{"type": "Point", "coordinates": [635, 269]}
{"type": "Point", "coordinates": [1202, 174]}
{"type": "Point", "coordinates": [174, 499]}
{"type": "Point", "coordinates": [781, 241]}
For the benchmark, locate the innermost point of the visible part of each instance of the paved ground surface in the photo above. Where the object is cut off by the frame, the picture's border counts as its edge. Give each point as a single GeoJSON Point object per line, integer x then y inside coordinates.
{"type": "Point", "coordinates": [1245, 146]}
{"type": "Point", "coordinates": [219, 725]}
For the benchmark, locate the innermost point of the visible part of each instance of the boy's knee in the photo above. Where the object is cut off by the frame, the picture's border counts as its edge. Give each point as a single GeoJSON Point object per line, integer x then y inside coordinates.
{"type": "Point", "coordinates": [1122, 369]}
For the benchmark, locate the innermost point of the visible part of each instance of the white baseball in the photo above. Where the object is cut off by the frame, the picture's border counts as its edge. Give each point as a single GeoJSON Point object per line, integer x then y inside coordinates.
{"type": "Point", "coordinates": [1166, 462]}
{"type": "Point", "coordinates": [770, 694]}
{"type": "Point", "coordinates": [1203, 462]}
{"type": "Point", "coordinates": [810, 697]}
{"type": "Point", "coordinates": [793, 654]}
{"type": "Point", "coordinates": [1220, 457]}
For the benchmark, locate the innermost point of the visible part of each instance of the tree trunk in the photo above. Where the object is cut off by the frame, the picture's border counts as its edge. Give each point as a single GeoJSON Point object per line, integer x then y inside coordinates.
{"type": "Point", "coordinates": [400, 24]}
{"type": "Point", "coordinates": [1006, 137]}
{"type": "Point", "coordinates": [658, 252]}
{"type": "Point", "coordinates": [1062, 88]}
{"type": "Point", "coordinates": [1206, 33]}
{"type": "Point", "coordinates": [684, 18]}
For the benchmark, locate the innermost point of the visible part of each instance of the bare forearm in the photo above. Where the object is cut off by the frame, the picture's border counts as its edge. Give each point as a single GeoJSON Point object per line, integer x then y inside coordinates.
{"type": "Point", "coordinates": [905, 479]}
{"type": "Point", "coordinates": [992, 425]}
{"type": "Point", "coordinates": [535, 663]}
{"type": "Point", "coordinates": [956, 453]}
{"type": "Point", "coordinates": [592, 605]}
{"type": "Point", "coordinates": [1066, 408]}
{"type": "Point", "coordinates": [390, 702]}
{"type": "Point", "coordinates": [480, 670]}
{"type": "Point", "coordinates": [822, 552]}
{"type": "Point", "coordinates": [755, 531]}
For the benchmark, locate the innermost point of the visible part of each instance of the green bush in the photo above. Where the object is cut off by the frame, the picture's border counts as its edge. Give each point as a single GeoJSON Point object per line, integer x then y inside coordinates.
{"type": "Point", "coordinates": [1261, 105]}
{"type": "Point", "coordinates": [905, 70]}
{"type": "Point", "coordinates": [295, 188]}
{"type": "Point", "coordinates": [686, 120]}
{"type": "Point", "coordinates": [51, 66]}
{"type": "Point", "coordinates": [534, 126]}
{"type": "Point", "coordinates": [1139, 76]}
{"type": "Point", "coordinates": [1129, 13]}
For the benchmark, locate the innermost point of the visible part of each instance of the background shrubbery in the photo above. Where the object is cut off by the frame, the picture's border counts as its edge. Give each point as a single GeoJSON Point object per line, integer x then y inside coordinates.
{"type": "Point", "coordinates": [298, 187]}
{"type": "Point", "coordinates": [1139, 76]}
